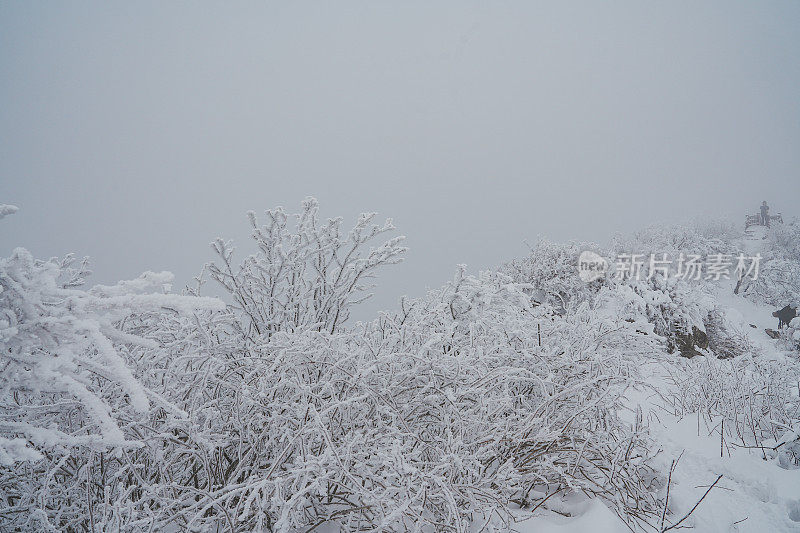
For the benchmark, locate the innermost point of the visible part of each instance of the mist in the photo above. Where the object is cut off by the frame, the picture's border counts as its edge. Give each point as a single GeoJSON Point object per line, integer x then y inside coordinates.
{"type": "Point", "coordinates": [137, 133]}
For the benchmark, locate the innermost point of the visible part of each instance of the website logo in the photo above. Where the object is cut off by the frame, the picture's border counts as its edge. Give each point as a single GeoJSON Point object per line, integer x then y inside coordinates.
{"type": "Point", "coordinates": [591, 266]}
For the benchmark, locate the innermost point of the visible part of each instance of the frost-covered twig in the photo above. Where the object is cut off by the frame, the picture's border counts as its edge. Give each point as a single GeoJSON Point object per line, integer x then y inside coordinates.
{"type": "Point", "coordinates": [676, 524]}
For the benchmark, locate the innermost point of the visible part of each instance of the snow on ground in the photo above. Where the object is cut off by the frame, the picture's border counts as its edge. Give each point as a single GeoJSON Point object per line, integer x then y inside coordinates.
{"type": "Point", "coordinates": [594, 517]}
{"type": "Point", "coordinates": [753, 495]}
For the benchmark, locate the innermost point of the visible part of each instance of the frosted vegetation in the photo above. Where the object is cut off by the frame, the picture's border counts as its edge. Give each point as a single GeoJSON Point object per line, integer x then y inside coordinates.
{"type": "Point", "coordinates": [133, 408]}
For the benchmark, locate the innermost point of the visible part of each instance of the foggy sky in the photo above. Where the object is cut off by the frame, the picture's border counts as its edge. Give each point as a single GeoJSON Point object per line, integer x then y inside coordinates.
{"type": "Point", "coordinates": [136, 133]}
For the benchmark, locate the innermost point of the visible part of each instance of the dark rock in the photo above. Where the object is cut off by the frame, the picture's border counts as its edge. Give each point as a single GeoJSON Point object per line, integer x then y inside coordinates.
{"type": "Point", "coordinates": [772, 333]}
{"type": "Point", "coordinates": [690, 343]}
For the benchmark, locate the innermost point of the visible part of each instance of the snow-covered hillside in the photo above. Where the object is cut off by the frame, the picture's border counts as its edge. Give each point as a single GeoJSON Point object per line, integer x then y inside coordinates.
{"type": "Point", "coordinates": [524, 398]}
{"type": "Point", "coordinates": [759, 489]}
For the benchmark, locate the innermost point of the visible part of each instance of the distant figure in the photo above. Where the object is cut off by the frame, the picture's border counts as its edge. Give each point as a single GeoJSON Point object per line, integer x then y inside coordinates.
{"type": "Point", "coordinates": [764, 213]}
{"type": "Point", "coordinates": [785, 315]}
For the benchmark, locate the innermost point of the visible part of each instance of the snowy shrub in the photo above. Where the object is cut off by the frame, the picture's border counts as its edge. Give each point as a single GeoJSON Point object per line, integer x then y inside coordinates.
{"type": "Point", "coordinates": [304, 276]}
{"type": "Point", "coordinates": [677, 308]}
{"type": "Point", "coordinates": [118, 400]}
{"type": "Point", "coordinates": [778, 282]}
{"type": "Point", "coordinates": [671, 305]}
{"type": "Point", "coordinates": [65, 380]}
{"type": "Point", "coordinates": [550, 274]}
{"type": "Point", "coordinates": [755, 396]}
{"type": "Point", "coordinates": [67, 393]}
{"type": "Point", "coordinates": [725, 338]}
{"type": "Point", "coordinates": [717, 230]}
{"type": "Point", "coordinates": [673, 240]}
{"type": "Point", "coordinates": [681, 308]}
{"type": "Point", "coordinates": [441, 413]}
{"type": "Point", "coordinates": [785, 240]}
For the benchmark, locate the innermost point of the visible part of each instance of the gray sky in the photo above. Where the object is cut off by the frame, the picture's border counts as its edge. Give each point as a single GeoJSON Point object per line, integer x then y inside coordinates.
{"type": "Point", "coordinates": [135, 133]}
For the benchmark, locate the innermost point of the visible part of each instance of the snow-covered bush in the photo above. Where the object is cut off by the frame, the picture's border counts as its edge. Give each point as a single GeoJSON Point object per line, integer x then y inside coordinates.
{"type": "Point", "coordinates": [65, 380]}
{"type": "Point", "coordinates": [697, 239]}
{"type": "Point", "coordinates": [438, 414]}
{"type": "Point", "coordinates": [785, 239]}
{"type": "Point", "coordinates": [67, 394]}
{"type": "Point", "coordinates": [673, 306]}
{"type": "Point", "coordinates": [717, 230]}
{"type": "Point", "coordinates": [105, 443]}
{"type": "Point", "coordinates": [726, 339]}
{"type": "Point", "coordinates": [549, 274]}
{"type": "Point", "coordinates": [778, 282]}
{"type": "Point", "coordinates": [305, 276]}
{"type": "Point", "coordinates": [756, 396]}
{"type": "Point", "coordinates": [789, 337]}
{"type": "Point", "coordinates": [677, 308]}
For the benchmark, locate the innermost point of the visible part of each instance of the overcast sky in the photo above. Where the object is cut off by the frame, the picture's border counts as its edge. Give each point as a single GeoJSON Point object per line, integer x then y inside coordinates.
{"type": "Point", "coordinates": [135, 133]}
